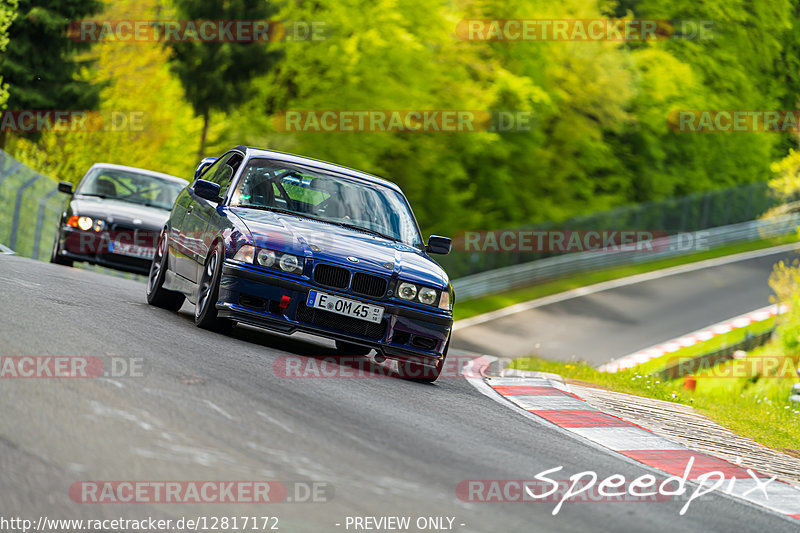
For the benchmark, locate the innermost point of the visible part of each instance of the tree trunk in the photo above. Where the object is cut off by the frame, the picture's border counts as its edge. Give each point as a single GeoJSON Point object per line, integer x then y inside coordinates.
{"type": "Point", "coordinates": [202, 153]}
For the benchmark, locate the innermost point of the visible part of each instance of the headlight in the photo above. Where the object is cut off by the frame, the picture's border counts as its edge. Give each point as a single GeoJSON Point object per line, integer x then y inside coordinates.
{"type": "Point", "coordinates": [290, 263]}
{"type": "Point", "coordinates": [266, 258]}
{"type": "Point", "coordinates": [86, 223]}
{"type": "Point", "coordinates": [407, 291]}
{"type": "Point", "coordinates": [270, 259]}
{"type": "Point", "coordinates": [427, 296]}
{"type": "Point", "coordinates": [245, 254]}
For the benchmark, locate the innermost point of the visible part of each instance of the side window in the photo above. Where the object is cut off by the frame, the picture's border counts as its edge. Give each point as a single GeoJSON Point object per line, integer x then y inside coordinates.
{"type": "Point", "coordinates": [225, 172]}
{"type": "Point", "coordinates": [209, 172]}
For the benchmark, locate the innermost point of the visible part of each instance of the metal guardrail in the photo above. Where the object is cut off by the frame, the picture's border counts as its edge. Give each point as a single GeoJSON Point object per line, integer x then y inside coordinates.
{"type": "Point", "coordinates": [512, 277]}
{"type": "Point", "coordinates": [29, 218]}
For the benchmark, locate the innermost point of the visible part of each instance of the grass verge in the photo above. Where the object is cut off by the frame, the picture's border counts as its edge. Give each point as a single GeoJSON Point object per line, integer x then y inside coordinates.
{"type": "Point", "coordinates": [493, 302]}
{"type": "Point", "coordinates": [749, 396]}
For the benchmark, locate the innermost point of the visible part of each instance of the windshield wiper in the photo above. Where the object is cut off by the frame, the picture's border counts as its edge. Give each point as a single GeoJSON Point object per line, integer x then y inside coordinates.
{"type": "Point", "coordinates": [93, 194]}
{"type": "Point", "coordinates": [365, 230]}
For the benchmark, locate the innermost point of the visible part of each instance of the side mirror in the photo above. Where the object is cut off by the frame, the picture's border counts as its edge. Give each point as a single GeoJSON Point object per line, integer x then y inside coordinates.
{"type": "Point", "coordinates": [438, 245]}
{"type": "Point", "coordinates": [207, 190]}
{"type": "Point", "coordinates": [204, 164]}
{"type": "Point", "coordinates": [65, 187]}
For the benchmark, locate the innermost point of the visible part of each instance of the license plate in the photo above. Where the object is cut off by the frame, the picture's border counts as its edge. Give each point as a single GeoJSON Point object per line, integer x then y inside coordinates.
{"type": "Point", "coordinates": [344, 306]}
{"type": "Point", "coordinates": [131, 250]}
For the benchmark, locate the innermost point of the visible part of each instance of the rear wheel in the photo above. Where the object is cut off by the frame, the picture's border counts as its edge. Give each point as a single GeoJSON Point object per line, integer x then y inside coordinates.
{"type": "Point", "coordinates": [348, 348]}
{"type": "Point", "coordinates": [415, 371]}
{"type": "Point", "coordinates": [55, 255]}
{"type": "Point", "coordinates": [157, 295]}
{"type": "Point", "coordinates": [205, 313]}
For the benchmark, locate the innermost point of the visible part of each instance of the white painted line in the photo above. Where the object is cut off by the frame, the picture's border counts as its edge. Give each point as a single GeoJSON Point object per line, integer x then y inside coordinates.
{"type": "Point", "coordinates": [616, 283]}
{"type": "Point", "coordinates": [550, 402]}
{"type": "Point", "coordinates": [627, 438]}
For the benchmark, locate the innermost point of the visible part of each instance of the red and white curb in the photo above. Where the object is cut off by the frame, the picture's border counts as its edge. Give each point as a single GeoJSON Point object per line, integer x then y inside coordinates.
{"type": "Point", "coordinates": [551, 402]}
{"type": "Point", "coordinates": [643, 356]}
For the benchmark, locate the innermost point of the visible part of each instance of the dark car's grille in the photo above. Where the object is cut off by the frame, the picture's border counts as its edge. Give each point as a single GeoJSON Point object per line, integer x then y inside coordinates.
{"type": "Point", "coordinates": [334, 321]}
{"type": "Point", "coordinates": [332, 276]}
{"type": "Point", "coordinates": [369, 285]}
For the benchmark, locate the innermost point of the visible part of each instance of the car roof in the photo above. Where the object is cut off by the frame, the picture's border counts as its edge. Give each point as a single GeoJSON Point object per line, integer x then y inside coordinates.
{"type": "Point", "coordinates": [249, 151]}
{"type": "Point", "coordinates": [143, 171]}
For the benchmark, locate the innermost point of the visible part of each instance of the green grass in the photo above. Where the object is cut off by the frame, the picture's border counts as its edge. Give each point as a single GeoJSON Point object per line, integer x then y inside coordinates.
{"type": "Point", "coordinates": [695, 350]}
{"type": "Point", "coordinates": [757, 407]}
{"type": "Point", "coordinates": [493, 302]}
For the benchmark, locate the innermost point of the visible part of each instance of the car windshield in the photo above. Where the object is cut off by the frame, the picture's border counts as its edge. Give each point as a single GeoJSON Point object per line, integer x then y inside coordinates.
{"type": "Point", "coordinates": [326, 196]}
{"type": "Point", "coordinates": [132, 187]}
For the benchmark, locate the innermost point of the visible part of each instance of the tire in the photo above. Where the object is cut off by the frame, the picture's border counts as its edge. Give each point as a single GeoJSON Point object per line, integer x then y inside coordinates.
{"type": "Point", "coordinates": [55, 257]}
{"type": "Point", "coordinates": [205, 312]}
{"type": "Point", "coordinates": [348, 348]}
{"type": "Point", "coordinates": [413, 371]}
{"type": "Point", "coordinates": [157, 295]}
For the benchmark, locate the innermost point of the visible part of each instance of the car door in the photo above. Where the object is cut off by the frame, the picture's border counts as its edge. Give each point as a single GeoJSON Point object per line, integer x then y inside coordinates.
{"type": "Point", "coordinates": [202, 222]}
{"type": "Point", "coordinates": [184, 234]}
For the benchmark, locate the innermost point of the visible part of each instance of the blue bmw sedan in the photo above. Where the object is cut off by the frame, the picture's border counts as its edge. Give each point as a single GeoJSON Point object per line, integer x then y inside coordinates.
{"type": "Point", "coordinates": [290, 244]}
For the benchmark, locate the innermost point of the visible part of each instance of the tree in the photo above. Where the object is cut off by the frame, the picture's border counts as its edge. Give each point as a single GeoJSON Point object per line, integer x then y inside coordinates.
{"type": "Point", "coordinates": [40, 64]}
{"type": "Point", "coordinates": [216, 75]}
{"type": "Point", "coordinates": [8, 11]}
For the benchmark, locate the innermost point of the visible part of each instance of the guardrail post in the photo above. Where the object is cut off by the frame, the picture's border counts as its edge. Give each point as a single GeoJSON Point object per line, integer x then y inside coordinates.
{"type": "Point", "coordinates": [39, 217]}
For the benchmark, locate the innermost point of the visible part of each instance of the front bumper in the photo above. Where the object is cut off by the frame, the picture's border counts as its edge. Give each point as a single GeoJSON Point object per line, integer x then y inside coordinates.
{"type": "Point", "coordinates": [252, 296]}
{"type": "Point", "coordinates": [93, 247]}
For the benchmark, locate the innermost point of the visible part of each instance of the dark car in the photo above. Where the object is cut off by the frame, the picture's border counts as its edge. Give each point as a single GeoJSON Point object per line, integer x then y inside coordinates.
{"type": "Point", "coordinates": [291, 244]}
{"type": "Point", "coordinates": [114, 216]}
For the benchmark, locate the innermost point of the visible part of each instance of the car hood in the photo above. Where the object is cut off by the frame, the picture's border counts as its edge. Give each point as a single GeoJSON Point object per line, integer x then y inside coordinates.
{"type": "Point", "coordinates": [330, 243]}
{"type": "Point", "coordinates": [119, 212]}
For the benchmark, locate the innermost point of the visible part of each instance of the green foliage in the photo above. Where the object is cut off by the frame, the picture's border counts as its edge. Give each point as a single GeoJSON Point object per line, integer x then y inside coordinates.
{"type": "Point", "coordinates": [599, 137]}
{"type": "Point", "coordinates": [216, 75]}
{"type": "Point", "coordinates": [8, 12]}
{"type": "Point", "coordinates": [40, 64]}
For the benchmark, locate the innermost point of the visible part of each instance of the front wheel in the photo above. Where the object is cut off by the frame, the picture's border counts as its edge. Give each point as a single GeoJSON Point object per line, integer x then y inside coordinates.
{"type": "Point", "coordinates": [55, 255]}
{"type": "Point", "coordinates": [205, 312]}
{"type": "Point", "coordinates": [157, 295]}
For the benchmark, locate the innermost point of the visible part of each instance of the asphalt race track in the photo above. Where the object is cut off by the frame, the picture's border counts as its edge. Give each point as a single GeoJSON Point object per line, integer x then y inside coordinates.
{"type": "Point", "coordinates": [210, 407]}
{"type": "Point", "coordinates": [629, 318]}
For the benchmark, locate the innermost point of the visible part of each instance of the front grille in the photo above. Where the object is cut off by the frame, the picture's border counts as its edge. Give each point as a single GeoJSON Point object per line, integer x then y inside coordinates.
{"type": "Point", "coordinates": [332, 276]}
{"type": "Point", "coordinates": [369, 285]}
{"type": "Point", "coordinates": [329, 320]}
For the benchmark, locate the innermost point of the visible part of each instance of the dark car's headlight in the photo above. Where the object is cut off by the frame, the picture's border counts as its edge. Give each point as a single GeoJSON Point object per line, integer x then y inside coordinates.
{"type": "Point", "coordinates": [270, 258]}
{"type": "Point", "coordinates": [425, 295]}
{"type": "Point", "coordinates": [86, 223]}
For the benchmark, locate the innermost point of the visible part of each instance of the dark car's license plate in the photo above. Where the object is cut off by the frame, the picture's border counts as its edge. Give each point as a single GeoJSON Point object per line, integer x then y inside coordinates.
{"type": "Point", "coordinates": [344, 306]}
